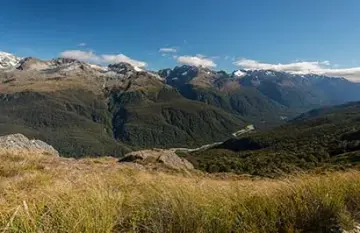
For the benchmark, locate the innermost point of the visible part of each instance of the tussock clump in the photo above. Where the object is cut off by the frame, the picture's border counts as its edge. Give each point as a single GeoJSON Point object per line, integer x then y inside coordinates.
{"type": "Point", "coordinates": [51, 194]}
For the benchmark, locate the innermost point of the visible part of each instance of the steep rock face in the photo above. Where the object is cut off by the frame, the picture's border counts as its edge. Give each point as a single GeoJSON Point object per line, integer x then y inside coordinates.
{"type": "Point", "coordinates": [20, 142]}
{"type": "Point", "coordinates": [167, 158]}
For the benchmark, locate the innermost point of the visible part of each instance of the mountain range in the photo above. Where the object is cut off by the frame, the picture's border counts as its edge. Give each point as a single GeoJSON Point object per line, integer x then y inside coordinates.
{"type": "Point", "coordinates": [86, 109]}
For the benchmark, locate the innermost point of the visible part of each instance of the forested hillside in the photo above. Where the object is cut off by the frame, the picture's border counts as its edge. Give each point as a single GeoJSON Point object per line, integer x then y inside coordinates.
{"type": "Point", "coordinates": [326, 137]}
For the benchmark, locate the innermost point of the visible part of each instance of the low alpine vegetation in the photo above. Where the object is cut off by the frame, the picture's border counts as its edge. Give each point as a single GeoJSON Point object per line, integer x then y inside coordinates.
{"type": "Point", "coordinates": [41, 193]}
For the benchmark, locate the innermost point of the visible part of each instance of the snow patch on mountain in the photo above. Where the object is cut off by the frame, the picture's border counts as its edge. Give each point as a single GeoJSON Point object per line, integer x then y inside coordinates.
{"type": "Point", "coordinates": [99, 68]}
{"type": "Point", "coordinates": [239, 73]}
{"type": "Point", "coordinates": [270, 73]}
{"type": "Point", "coordinates": [155, 75]}
{"type": "Point", "coordinates": [8, 61]}
{"type": "Point", "coordinates": [137, 69]}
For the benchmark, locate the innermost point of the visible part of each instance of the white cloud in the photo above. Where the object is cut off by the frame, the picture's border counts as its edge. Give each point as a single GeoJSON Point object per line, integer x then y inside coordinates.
{"type": "Point", "coordinates": [303, 67]}
{"type": "Point", "coordinates": [196, 61]}
{"type": "Point", "coordinates": [89, 56]}
{"type": "Point", "coordinates": [86, 56]}
{"type": "Point", "coordinates": [82, 44]}
{"type": "Point", "coordinates": [122, 58]}
{"type": "Point", "coordinates": [167, 50]}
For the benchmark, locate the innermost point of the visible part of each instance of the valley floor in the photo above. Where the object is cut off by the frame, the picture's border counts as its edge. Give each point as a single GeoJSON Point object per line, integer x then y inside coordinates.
{"type": "Point", "coordinates": [40, 193]}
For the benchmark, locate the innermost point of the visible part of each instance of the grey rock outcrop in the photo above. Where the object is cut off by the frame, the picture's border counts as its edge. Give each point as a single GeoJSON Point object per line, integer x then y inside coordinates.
{"type": "Point", "coordinates": [20, 142]}
{"type": "Point", "coordinates": [168, 158]}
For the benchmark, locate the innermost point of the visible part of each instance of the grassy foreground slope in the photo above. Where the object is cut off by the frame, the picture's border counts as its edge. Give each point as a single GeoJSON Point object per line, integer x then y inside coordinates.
{"type": "Point", "coordinates": [48, 194]}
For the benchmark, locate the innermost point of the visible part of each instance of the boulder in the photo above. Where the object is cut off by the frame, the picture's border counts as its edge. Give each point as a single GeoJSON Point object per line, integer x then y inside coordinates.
{"type": "Point", "coordinates": [20, 142]}
{"type": "Point", "coordinates": [168, 158]}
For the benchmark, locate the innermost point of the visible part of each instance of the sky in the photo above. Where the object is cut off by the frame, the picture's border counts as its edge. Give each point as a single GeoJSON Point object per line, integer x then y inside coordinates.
{"type": "Point", "coordinates": [319, 36]}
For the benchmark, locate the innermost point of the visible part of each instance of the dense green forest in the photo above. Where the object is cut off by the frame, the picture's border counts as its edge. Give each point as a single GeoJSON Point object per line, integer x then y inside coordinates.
{"type": "Point", "coordinates": [78, 122]}
{"type": "Point", "coordinates": [327, 138]}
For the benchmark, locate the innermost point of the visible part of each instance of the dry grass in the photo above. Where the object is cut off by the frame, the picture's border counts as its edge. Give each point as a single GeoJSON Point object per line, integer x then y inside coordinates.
{"type": "Point", "coordinates": [41, 82]}
{"type": "Point", "coordinates": [40, 193]}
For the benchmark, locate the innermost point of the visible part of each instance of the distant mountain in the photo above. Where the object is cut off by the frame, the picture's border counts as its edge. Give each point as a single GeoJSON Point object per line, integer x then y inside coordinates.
{"type": "Point", "coordinates": [327, 137]}
{"type": "Point", "coordinates": [148, 113]}
{"type": "Point", "coordinates": [258, 93]}
{"type": "Point", "coordinates": [302, 91]}
{"type": "Point", "coordinates": [228, 93]}
{"type": "Point", "coordinates": [85, 109]}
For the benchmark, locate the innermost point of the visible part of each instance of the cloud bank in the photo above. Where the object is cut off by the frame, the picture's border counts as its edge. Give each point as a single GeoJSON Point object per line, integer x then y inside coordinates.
{"type": "Point", "coordinates": [196, 61]}
{"type": "Point", "coordinates": [85, 56]}
{"type": "Point", "coordinates": [122, 58]}
{"type": "Point", "coordinates": [89, 56]}
{"type": "Point", "coordinates": [314, 67]}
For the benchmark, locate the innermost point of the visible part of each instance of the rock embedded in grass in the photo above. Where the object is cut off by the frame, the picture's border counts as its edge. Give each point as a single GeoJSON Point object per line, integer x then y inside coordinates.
{"type": "Point", "coordinates": [158, 156]}
{"type": "Point", "coordinates": [15, 142]}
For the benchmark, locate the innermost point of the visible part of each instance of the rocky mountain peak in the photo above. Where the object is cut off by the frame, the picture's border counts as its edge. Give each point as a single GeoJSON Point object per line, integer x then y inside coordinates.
{"type": "Point", "coordinates": [32, 63]}
{"type": "Point", "coordinates": [62, 61]}
{"type": "Point", "coordinates": [197, 76]}
{"type": "Point", "coordinates": [59, 65]}
{"type": "Point", "coordinates": [164, 73]}
{"type": "Point", "coordinates": [122, 68]}
{"type": "Point", "coordinates": [187, 68]}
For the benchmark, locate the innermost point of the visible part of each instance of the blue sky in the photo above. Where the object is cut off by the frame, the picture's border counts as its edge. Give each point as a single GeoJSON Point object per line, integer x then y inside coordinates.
{"type": "Point", "coordinates": [223, 32]}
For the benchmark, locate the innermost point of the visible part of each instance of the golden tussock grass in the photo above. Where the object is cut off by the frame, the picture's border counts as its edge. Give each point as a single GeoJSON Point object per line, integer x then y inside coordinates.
{"type": "Point", "coordinates": [41, 193]}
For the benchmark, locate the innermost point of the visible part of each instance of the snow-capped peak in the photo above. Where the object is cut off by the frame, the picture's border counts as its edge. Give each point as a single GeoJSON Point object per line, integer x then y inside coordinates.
{"type": "Point", "coordinates": [8, 61]}
{"type": "Point", "coordinates": [239, 73]}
